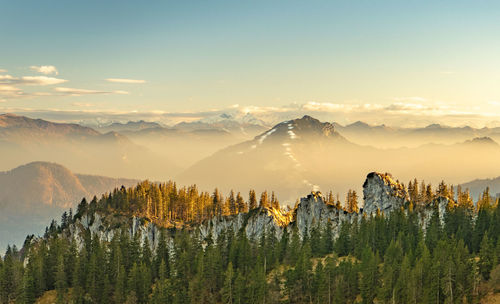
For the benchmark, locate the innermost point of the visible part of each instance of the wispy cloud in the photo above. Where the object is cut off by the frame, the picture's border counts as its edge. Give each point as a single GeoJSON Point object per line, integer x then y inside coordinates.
{"type": "Point", "coordinates": [79, 92]}
{"type": "Point", "coordinates": [3, 71]}
{"type": "Point", "coordinates": [125, 80]}
{"type": "Point", "coordinates": [9, 91]}
{"type": "Point", "coordinates": [45, 69]}
{"type": "Point", "coordinates": [40, 80]}
{"type": "Point", "coordinates": [30, 80]}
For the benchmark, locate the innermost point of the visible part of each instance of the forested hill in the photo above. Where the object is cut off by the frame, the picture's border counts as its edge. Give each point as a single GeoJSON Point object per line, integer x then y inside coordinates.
{"type": "Point", "coordinates": [410, 244]}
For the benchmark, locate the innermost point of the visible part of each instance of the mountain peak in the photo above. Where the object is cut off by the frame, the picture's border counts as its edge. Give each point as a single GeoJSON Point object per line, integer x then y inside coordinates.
{"type": "Point", "coordinates": [482, 141]}
{"type": "Point", "coordinates": [359, 125]}
{"type": "Point", "coordinates": [306, 127]}
{"type": "Point", "coordinates": [435, 126]}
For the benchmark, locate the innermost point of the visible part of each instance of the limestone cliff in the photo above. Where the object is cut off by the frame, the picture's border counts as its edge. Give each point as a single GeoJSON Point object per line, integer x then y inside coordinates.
{"type": "Point", "coordinates": [381, 192]}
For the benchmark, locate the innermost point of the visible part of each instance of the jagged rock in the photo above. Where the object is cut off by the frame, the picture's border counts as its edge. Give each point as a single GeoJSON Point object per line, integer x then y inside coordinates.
{"type": "Point", "coordinates": [382, 192]}
{"type": "Point", "coordinates": [312, 211]}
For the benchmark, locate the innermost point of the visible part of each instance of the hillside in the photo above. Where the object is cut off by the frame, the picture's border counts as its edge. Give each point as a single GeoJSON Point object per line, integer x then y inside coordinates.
{"type": "Point", "coordinates": [477, 186]}
{"type": "Point", "coordinates": [316, 252]}
{"type": "Point", "coordinates": [83, 149]}
{"type": "Point", "coordinates": [33, 194]}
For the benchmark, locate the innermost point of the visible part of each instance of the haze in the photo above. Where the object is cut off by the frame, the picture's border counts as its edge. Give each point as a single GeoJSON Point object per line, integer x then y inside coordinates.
{"type": "Point", "coordinates": [278, 96]}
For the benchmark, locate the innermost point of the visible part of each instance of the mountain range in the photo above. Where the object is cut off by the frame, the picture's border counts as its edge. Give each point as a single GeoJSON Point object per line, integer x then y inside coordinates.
{"type": "Point", "coordinates": [297, 155]}
{"type": "Point", "coordinates": [383, 136]}
{"type": "Point", "coordinates": [289, 158]}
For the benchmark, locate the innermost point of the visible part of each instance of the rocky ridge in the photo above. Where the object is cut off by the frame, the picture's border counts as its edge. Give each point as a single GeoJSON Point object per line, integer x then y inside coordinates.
{"type": "Point", "coordinates": [381, 194]}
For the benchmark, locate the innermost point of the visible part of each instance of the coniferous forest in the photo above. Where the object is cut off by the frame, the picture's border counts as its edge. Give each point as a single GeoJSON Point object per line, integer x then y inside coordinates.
{"type": "Point", "coordinates": [381, 259]}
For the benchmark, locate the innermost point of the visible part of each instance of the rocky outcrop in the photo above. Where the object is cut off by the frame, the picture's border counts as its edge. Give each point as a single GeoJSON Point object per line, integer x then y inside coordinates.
{"type": "Point", "coordinates": [381, 192]}
{"type": "Point", "coordinates": [312, 211]}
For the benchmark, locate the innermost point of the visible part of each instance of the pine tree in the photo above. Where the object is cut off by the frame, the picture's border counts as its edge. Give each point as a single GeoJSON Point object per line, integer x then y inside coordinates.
{"type": "Point", "coordinates": [264, 200]}
{"type": "Point", "coordinates": [352, 201]}
{"type": "Point", "coordinates": [228, 288]}
{"type": "Point", "coordinates": [240, 203]}
{"type": "Point", "coordinates": [486, 257]}
{"type": "Point", "coordinates": [369, 276]}
{"type": "Point", "coordinates": [61, 283]}
{"type": "Point", "coordinates": [233, 208]}
{"type": "Point", "coordinates": [252, 200]}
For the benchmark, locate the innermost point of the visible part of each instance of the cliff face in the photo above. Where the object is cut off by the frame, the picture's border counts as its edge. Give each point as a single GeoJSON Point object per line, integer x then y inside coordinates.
{"type": "Point", "coordinates": [381, 192]}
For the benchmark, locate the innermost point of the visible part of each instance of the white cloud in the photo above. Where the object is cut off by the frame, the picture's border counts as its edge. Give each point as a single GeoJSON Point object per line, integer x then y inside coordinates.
{"type": "Point", "coordinates": [494, 103]}
{"type": "Point", "coordinates": [79, 92]}
{"type": "Point", "coordinates": [45, 69]}
{"type": "Point", "coordinates": [40, 80]}
{"type": "Point", "coordinates": [125, 80]}
{"type": "Point", "coordinates": [30, 80]}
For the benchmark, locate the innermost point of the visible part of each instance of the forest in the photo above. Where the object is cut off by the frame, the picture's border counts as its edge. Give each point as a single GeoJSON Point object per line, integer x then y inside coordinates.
{"type": "Point", "coordinates": [381, 259]}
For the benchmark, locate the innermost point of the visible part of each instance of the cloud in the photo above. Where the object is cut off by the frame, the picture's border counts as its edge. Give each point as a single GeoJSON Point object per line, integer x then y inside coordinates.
{"type": "Point", "coordinates": [45, 69]}
{"type": "Point", "coordinates": [8, 88]}
{"type": "Point", "coordinates": [494, 103]}
{"type": "Point", "coordinates": [79, 92]}
{"type": "Point", "coordinates": [3, 71]}
{"type": "Point", "coordinates": [6, 78]}
{"type": "Point", "coordinates": [40, 80]}
{"type": "Point", "coordinates": [8, 91]}
{"type": "Point", "coordinates": [125, 80]}
{"type": "Point", "coordinates": [30, 80]}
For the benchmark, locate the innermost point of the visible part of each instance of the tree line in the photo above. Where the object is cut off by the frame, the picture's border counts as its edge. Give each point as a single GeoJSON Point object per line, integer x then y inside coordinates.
{"type": "Point", "coordinates": [384, 259]}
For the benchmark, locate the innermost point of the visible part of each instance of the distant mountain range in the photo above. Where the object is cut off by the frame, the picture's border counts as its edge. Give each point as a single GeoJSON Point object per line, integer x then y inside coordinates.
{"type": "Point", "coordinates": [33, 194]}
{"type": "Point", "coordinates": [383, 136]}
{"type": "Point", "coordinates": [296, 155]}
{"type": "Point", "coordinates": [80, 148]}
{"type": "Point", "coordinates": [230, 153]}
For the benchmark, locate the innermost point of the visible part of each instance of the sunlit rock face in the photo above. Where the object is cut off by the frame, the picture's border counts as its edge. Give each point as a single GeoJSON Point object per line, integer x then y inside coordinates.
{"type": "Point", "coordinates": [381, 192]}
{"type": "Point", "coordinates": [312, 211]}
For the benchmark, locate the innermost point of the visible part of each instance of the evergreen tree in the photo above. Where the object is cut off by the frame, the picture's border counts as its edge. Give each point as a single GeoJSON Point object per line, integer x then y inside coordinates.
{"type": "Point", "coordinates": [228, 288]}
{"type": "Point", "coordinates": [252, 200]}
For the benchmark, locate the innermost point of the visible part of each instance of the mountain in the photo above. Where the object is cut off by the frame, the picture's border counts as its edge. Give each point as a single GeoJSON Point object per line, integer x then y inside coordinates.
{"type": "Point", "coordinates": [82, 149]}
{"type": "Point", "coordinates": [129, 126]}
{"type": "Point", "coordinates": [299, 155]}
{"type": "Point", "coordinates": [20, 129]}
{"type": "Point", "coordinates": [32, 194]}
{"type": "Point", "coordinates": [253, 251]}
{"type": "Point", "coordinates": [477, 187]}
{"type": "Point", "coordinates": [279, 158]}
{"type": "Point", "coordinates": [382, 136]}
{"type": "Point", "coordinates": [189, 142]}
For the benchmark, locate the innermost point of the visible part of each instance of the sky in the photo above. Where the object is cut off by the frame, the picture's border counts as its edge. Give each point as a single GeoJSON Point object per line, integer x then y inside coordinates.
{"type": "Point", "coordinates": [395, 62]}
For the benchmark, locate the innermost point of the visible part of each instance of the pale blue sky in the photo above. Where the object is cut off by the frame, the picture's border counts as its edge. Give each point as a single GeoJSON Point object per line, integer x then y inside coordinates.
{"type": "Point", "coordinates": [200, 55]}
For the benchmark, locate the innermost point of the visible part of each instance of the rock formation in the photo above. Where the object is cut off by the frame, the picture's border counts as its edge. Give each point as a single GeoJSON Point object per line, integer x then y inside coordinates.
{"type": "Point", "coordinates": [381, 194]}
